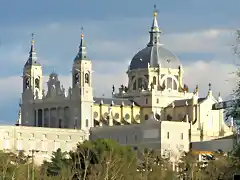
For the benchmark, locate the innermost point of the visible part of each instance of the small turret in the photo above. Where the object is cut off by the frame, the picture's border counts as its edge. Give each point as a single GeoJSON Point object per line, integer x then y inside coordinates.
{"type": "Point", "coordinates": [209, 90]}
{"type": "Point", "coordinates": [220, 98]}
{"type": "Point", "coordinates": [155, 30]}
{"type": "Point", "coordinates": [195, 95]}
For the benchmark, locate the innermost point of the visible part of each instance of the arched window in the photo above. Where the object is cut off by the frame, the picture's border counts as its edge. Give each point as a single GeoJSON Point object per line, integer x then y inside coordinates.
{"type": "Point", "coordinates": [154, 80]}
{"type": "Point", "coordinates": [169, 83]}
{"type": "Point", "coordinates": [134, 85]}
{"type": "Point", "coordinates": [86, 122]}
{"type": "Point", "coordinates": [145, 85]}
{"type": "Point", "coordinates": [139, 83]}
{"type": "Point", "coordinates": [27, 83]}
{"type": "Point", "coordinates": [37, 83]}
{"type": "Point", "coordinates": [60, 123]}
{"type": "Point", "coordinates": [87, 78]}
{"type": "Point", "coordinates": [146, 117]}
{"type": "Point", "coordinates": [174, 85]}
{"type": "Point", "coordinates": [146, 100]}
{"type": "Point", "coordinates": [77, 76]}
{"type": "Point", "coordinates": [169, 118]}
{"type": "Point", "coordinates": [180, 117]}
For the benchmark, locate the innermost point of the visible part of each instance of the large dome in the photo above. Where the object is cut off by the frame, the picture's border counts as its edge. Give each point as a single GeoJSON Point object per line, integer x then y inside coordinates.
{"type": "Point", "coordinates": [156, 56]}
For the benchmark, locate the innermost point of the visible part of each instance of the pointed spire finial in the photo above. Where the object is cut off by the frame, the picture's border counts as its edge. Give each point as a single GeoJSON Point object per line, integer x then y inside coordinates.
{"type": "Point", "coordinates": [155, 30]}
{"type": "Point", "coordinates": [32, 43]}
{"type": "Point", "coordinates": [155, 10]}
{"type": "Point", "coordinates": [32, 59]}
{"type": "Point", "coordinates": [82, 35]}
{"type": "Point", "coordinates": [155, 27]}
{"type": "Point", "coordinates": [32, 38]}
{"type": "Point", "coordinates": [210, 86]}
{"type": "Point", "coordinates": [82, 53]}
{"type": "Point", "coordinates": [196, 90]}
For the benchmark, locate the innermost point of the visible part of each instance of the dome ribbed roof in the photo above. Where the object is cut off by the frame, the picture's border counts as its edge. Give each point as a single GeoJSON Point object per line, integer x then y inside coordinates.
{"type": "Point", "coordinates": [156, 56]}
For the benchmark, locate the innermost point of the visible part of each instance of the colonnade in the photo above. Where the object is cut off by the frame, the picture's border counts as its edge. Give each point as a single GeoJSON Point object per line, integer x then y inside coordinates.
{"type": "Point", "coordinates": [52, 117]}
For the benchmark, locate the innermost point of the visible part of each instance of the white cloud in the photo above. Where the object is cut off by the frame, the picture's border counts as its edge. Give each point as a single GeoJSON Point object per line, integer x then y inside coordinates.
{"type": "Point", "coordinates": [199, 72]}
{"type": "Point", "coordinates": [108, 72]}
{"type": "Point", "coordinates": [202, 73]}
{"type": "Point", "coordinates": [102, 80]}
{"type": "Point", "coordinates": [212, 40]}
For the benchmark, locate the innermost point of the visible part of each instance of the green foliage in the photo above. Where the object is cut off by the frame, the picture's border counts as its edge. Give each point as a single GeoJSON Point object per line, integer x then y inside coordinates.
{"type": "Point", "coordinates": [106, 159]}
{"type": "Point", "coordinates": [58, 162]}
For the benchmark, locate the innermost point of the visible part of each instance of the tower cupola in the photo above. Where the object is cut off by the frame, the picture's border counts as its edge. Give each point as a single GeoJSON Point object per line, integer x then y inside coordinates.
{"type": "Point", "coordinates": [32, 59]}
{"type": "Point", "coordinates": [82, 53]}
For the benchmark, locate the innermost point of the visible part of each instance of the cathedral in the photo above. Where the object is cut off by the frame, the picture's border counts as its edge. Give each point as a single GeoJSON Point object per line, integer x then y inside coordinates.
{"type": "Point", "coordinates": [155, 89]}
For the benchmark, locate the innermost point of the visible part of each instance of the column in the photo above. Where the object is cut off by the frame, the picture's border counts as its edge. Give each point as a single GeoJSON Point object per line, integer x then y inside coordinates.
{"type": "Point", "coordinates": [49, 117]}
{"type": "Point", "coordinates": [36, 125]}
{"type": "Point", "coordinates": [110, 116]}
{"type": "Point", "coordinates": [193, 113]}
{"type": "Point", "coordinates": [43, 120]}
{"type": "Point", "coordinates": [57, 118]}
{"type": "Point", "coordinates": [100, 115]}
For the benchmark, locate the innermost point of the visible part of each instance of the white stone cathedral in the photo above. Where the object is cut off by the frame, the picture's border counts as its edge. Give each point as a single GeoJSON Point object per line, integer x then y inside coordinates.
{"type": "Point", "coordinates": [155, 91]}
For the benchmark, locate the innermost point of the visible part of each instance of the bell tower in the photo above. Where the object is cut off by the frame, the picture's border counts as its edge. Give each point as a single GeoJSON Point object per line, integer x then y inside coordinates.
{"type": "Point", "coordinates": [32, 73]}
{"type": "Point", "coordinates": [82, 88]}
{"type": "Point", "coordinates": [32, 85]}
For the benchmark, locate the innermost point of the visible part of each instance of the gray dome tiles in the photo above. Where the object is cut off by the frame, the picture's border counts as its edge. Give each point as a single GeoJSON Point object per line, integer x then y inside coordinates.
{"type": "Point", "coordinates": [156, 56]}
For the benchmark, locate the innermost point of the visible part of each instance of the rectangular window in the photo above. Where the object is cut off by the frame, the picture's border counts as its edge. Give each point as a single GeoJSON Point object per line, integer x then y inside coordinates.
{"type": "Point", "coordinates": [56, 145]}
{"type": "Point", "coordinates": [68, 146]}
{"type": "Point", "coordinates": [181, 135]}
{"type": "Point", "coordinates": [44, 146]}
{"type": "Point", "coordinates": [86, 122]}
{"type": "Point", "coordinates": [168, 135]}
{"type": "Point", "coordinates": [6, 144]}
{"type": "Point", "coordinates": [126, 139]}
{"type": "Point", "coordinates": [81, 138]}
{"type": "Point", "coordinates": [135, 137]}
{"type": "Point", "coordinates": [19, 145]}
{"type": "Point", "coordinates": [32, 145]}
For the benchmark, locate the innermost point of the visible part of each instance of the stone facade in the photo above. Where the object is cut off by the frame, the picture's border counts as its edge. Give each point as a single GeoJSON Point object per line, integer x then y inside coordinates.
{"type": "Point", "coordinates": [172, 138]}
{"type": "Point", "coordinates": [41, 141]}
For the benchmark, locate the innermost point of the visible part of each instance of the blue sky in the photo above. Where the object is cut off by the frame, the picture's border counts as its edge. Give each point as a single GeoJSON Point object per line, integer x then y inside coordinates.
{"type": "Point", "coordinates": [200, 32]}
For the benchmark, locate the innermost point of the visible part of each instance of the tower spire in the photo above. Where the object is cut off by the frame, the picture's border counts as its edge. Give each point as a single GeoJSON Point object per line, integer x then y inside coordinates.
{"type": "Point", "coordinates": [155, 30]}
{"type": "Point", "coordinates": [155, 27]}
{"type": "Point", "coordinates": [32, 44]}
{"type": "Point", "coordinates": [82, 53]}
{"type": "Point", "coordinates": [32, 59]}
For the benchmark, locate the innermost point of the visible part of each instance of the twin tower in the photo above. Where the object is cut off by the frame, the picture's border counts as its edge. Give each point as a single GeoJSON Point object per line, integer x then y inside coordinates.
{"type": "Point", "coordinates": [55, 108]}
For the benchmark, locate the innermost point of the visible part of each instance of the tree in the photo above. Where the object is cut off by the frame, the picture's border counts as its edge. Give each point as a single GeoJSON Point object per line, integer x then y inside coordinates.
{"type": "Point", "coordinates": [234, 110]}
{"type": "Point", "coordinates": [103, 158]}
{"type": "Point", "coordinates": [189, 166]}
{"type": "Point", "coordinates": [58, 162]}
{"type": "Point", "coordinates": [152, 166]}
